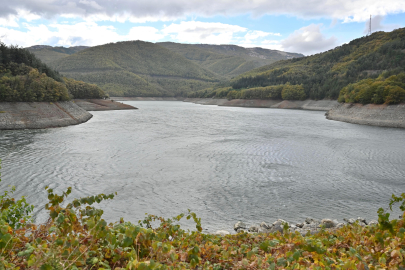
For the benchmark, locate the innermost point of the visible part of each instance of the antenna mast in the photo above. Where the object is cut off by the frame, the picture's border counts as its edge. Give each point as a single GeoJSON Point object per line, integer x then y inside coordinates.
{"type": "Point", "coordinates": [369, 27]}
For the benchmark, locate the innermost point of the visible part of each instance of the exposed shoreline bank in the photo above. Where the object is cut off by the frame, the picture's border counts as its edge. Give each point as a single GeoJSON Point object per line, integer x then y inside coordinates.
{"type": "Point", "coordinates": [38, 115]}
{"type": "Point", "coordinates": [313, 105]}
{"type": "Point", "coordinates": [370, 114]}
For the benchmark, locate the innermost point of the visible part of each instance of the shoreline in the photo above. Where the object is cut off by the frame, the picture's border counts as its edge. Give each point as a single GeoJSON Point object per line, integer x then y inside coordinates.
{"type": "Point", "coordinates": [382, 115]}
{"type": "Point", "coordinates": [310, 225]}
{"type": "Point", "coordinates": [40, 115]}
{"type": "Point", "coordinates": [313, 105]}
{"type": "Point", "coordinates": [371, 114]}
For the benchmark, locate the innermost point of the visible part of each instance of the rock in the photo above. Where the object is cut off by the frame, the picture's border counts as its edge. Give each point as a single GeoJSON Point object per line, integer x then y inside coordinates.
{"type": "Point", "coordinates": [253, 229]}
{"type": "Point", "coordinates": [279, 222]}
{"type": "Point", "coordinates": [241, 230]}
{"type": "Point", "coordinates": [278, 226]}
{"type": "Point", "coordinates": [222, 232]}
{"type": "Point", "coordinates": [340, 225]}
{"type": "Point", "coordinates": [350, 221]}
{"type": "Point", "coordinates": [263, 230]}
{"type": "Point", "coordinates": [264, 226]}
{"type": "Point", "coordinates": [328, 223]}
{"type": "Point", "coordinates": [373, 222]}
{"type": "Point", "coordinates": [309, 220]}
{"type": "Point", "coordinates": [304, 231]}
{"type": "Point", "coordinates": [362, 220]}
{"type": "Point", "coordinates": [239, 225]}
{"type": "Point", "coordinates": [312, 221]}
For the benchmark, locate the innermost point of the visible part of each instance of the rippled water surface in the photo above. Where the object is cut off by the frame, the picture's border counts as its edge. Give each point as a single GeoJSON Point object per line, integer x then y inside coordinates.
{"type": "Point", "coordinates": [225, 164]}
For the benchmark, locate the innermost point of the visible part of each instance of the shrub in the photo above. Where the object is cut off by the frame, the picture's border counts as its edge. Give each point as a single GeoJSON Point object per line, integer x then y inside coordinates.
{"type": "Point", "coordinates": [293, 92]}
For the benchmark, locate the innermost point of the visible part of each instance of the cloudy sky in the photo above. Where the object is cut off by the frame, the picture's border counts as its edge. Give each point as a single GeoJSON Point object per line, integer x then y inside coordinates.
{"type": "Point", "coordinates": [304, 26]}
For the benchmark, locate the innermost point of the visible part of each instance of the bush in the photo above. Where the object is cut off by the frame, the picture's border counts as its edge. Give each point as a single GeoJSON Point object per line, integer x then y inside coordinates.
{"type": "Point", "coordinates": [77, 237]}
{"type": "Point", "coordinates": [388, 90]}
{"type": "Point", "coordinates": [293, 92]}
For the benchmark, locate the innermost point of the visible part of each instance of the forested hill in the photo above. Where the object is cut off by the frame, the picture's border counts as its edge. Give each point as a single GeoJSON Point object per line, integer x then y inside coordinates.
{"type": "Point", "coordinates": [48, 54]}
{"type": "Point", "coordinates": [23, 77]}
{"type": "Point", "coordinates": [228, 60]}
{"type": "Point", "coordinates": [136, 68]}
{"type": "Point", "coordinates": [322, 75]}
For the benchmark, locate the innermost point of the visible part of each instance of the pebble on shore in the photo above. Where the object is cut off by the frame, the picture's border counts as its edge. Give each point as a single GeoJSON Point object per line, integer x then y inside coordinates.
{"type": "Point", "coordinates": [310, 225]}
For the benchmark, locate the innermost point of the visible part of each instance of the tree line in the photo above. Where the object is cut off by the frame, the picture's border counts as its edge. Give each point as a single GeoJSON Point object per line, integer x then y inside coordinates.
{"type": "Point", "coordinates": [23, 77]}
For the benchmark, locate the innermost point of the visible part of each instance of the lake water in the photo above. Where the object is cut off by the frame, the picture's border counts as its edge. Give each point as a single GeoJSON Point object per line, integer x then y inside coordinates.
{"type": "Point", "coordinates": [225, 164]}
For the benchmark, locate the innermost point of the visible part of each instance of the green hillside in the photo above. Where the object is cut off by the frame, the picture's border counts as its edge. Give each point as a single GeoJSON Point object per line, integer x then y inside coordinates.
{"type": "Point", "coordinates": [322, 75]}
{"type": "Point", "coordinates": [48, 54]}
{"type": "Point", "coordinates": [228, 60]}
{"type": "Point", "coordinates": [23, 77]}
{"type": "Point", "coordinates": [136, 68]}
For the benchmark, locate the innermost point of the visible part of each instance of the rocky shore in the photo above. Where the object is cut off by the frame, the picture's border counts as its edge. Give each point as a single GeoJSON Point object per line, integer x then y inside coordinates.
{"type": "Point", "coordinates": [370, 114]}
{"type": "Point", "coordinates": [311, 226]}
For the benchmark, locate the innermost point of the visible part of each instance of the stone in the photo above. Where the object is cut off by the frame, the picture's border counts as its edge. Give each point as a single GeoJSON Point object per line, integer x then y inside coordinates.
{"type": "Point", "coordinates": [312, 221]}
{"type": "Point", "coordinates": [309, 220]}
{"type": "Point", "coordinates": [350, 220]}
{"type": "Point", "coordinates": [373, 222]}
{"type": "Point", "coordinates": [253, 228]}
{"type": "Point", "coordinates": [327, 223]}
{"type": "Point", "coordinates": [265, 226]}
{"type": "Point", "coordinates": [263, 230]}
{"type": "Point", "coordinates": [340, 225]}
{"type": "Point", "coordinates": [222, 232]}
{"type": "Point", "coordinates": [278, 226]}
{"type": "Point", "coordinates": [280, 222]}
{"type": "Point", "coordinates": [362, 220]}
{"type": "Point", "coordinates": [239, 225]}
{"type": "Point", "coordinates": [241, 230]}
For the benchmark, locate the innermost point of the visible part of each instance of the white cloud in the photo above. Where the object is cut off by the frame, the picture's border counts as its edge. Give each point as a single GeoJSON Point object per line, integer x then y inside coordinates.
{"type": "Point", "coordinates": [144, 33]}
{"type": "Point", "coordinates": [308, 40]}
{"type": "Point", "coordinates": [255, 35]}
{"type": "Point", "coordinates": [84, 33]}
{"type": "Point", "coordinates": [145, 10]}
{"type": "Point", "coordinates": [203, 32]}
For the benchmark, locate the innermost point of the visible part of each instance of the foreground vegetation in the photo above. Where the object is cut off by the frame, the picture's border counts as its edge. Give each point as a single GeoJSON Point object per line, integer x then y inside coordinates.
{"type": "Point", "coordinates": [77, 237]}
{"type": "Point", "coordinates": [23, 77]}
{"type": "Point", "coordinates": [321, 75]}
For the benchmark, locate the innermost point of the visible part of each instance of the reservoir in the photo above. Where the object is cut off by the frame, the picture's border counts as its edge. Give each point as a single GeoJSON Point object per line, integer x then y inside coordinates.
{"type": "Point", "coordinates": [223, 163]}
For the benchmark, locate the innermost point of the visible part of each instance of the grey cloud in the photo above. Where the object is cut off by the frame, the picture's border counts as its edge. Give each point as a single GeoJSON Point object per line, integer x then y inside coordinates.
{"type": "Point", "coordinates": [308, 40]}
{"type": "Point", "coordinates": [7, 11]}
{"type": "Point", "coordinates": [179, 8]}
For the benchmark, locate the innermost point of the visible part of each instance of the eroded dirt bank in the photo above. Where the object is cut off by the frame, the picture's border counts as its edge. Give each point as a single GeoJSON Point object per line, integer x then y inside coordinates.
{"type": "Point", "coordinates": [34, 115]}
{"type": "Point", "coordinates": [102, 105]}
{"type": "Point", "coordinates": [315, 105]}
{"type": "Point", "coordinates": [370, 114]}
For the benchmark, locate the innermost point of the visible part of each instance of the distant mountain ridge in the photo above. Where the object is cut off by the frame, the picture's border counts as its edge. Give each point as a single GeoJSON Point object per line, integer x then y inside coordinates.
{"type": "Point", "coordinates": [228, 60]}
{"type": "Point", "coordinates": [138, 68]}
{"type": "Point", "coordinates": [48, 54]}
